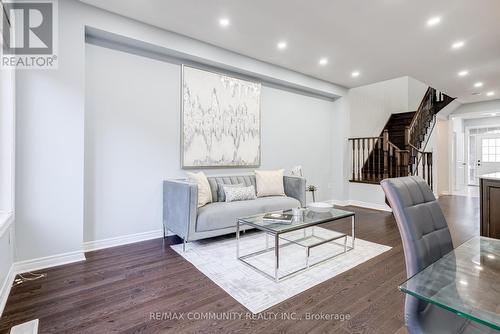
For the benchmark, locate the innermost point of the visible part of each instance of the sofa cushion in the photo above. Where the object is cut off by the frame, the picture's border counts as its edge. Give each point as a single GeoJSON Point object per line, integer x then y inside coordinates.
{"type": "Point", "coordinates": [239, 193]}
{"type": "Point", "coordinates": [204, 190]}
{"type": "Point", "coordinates": [270, 182]}
{"type": "Point", "coordinates": [216, 182]}
{"type": "Point", "coordinates": [218, 215]}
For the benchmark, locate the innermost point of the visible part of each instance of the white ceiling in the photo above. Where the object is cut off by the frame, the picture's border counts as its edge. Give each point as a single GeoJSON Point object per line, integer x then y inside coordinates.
{"type": "Point", "coordinates": [383, 39]}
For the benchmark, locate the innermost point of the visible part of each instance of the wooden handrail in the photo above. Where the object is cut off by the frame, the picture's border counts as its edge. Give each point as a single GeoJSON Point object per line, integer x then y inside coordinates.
{"type": "Point", "coordinates": [420, 108]}
{"type": "Point", "coordinates": [416, 149]}
{"type": "Point", "coordinates": [376, 158]}
{"type": "Point", "coordinates": [356, 138]}
{"type": "Point", "coordinates": [397, 149]}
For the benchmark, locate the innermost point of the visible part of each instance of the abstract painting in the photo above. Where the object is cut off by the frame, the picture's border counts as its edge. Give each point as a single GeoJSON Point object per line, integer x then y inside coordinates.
{"type": "Point", "coordinates": [220, 120]}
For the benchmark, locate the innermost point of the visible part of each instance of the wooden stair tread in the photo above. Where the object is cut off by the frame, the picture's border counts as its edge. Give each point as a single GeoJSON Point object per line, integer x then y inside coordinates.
{"type": "Point", "coordinates": [403, 160]}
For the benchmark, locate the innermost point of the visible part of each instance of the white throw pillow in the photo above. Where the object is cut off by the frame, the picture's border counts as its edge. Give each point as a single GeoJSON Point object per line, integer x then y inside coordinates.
{"type": "Point", "coordinates": [239, 193]}
{"type": "Point", "coordinates": [270, 182]}
{"type": "Point", "coordinates": [204, 192]}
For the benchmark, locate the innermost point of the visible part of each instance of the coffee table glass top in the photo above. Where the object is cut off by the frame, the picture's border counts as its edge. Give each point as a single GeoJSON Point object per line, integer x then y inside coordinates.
{"type": "Point", "coordinates": [310, 218]}
{"type": "Point", "coordinates": [465, 281]}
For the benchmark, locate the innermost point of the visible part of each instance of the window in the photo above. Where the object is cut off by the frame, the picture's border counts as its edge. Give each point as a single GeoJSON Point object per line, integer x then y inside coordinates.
{"type": "Point", "coordinates": [491, 150]}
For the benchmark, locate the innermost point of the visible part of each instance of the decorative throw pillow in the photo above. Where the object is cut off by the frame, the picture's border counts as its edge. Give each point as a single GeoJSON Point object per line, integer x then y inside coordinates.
{"type": "Point", "coordinates": [221, 195]}
{"type": "Point", "coordinates": [239, 193]}
{"type": "Point", "coordinates": [270, 182]}
{"type": "Point", "coordinates": [204, 192]}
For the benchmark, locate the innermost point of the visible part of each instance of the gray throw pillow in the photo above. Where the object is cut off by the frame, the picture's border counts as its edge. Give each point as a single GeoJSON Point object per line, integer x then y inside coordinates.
{"type": "Point", "coordinates": [221, 195]}
{"type": "Point", "coordinates": [239, 193]}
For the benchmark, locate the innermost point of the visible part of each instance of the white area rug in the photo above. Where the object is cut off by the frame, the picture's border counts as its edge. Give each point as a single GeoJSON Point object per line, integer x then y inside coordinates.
{"type": "Point", "coordinates": [216, 258]}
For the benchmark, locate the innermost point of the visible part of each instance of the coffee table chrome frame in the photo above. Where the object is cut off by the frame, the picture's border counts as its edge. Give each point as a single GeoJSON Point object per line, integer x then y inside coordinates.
{"type": "Point", "coordinates": [277, 246]}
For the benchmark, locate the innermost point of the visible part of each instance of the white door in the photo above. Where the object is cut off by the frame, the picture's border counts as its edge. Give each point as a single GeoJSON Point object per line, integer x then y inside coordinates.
{"type": "Point", "coordinates": [488, 155]}
{"type": "Point", "coordinates": [460, 165]}
{"type": "Point", "coordinates": [472, 161]}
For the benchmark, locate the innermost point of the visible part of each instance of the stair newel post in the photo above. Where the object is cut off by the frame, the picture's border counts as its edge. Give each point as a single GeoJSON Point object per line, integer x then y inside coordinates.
{"type": "Point", "coordinates": [380, 154]}
{"type": "Point", "coordinates": [363, 171]}
{"type": "Point", "coordinates": [407, 138]}
{"type": "Point", "coordinates": [359, 160]}
{"type": "Point", "coordinates": [385, 144]}
{"type": "Point", "coordinates": [372, 173]}
{"type": "Point", "coordinates": [408, 154]}
{"type": "Point", "coordinates": [430, 170]}
{"type": "Point", "coordinates": [353, 159]}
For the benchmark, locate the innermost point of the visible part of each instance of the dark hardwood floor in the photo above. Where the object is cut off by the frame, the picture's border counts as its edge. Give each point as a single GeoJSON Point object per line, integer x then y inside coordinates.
{"type": "Point", "coordinates": [115, 290]}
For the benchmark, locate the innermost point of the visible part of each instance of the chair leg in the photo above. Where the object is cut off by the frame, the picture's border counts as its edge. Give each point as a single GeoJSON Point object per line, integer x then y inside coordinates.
{"type": "Point", "coordinates": [164, 233]}
{"type": "Point", "coordinates": [184, 242]}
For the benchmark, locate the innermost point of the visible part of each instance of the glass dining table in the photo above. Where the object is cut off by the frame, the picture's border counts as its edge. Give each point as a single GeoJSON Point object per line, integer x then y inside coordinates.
{"type": "Point", "coordinates": [465, 281]}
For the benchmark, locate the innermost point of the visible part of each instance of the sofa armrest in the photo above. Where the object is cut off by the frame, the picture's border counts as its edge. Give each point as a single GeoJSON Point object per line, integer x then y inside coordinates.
{"type": "Point", "coordinates": [180, 205]}
{"type": "Point", "coordinates": [295, 187]}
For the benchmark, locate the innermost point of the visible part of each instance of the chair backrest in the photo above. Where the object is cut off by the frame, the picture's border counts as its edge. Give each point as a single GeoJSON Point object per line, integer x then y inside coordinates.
{"type": "Point", "coordinates": [423, 228]}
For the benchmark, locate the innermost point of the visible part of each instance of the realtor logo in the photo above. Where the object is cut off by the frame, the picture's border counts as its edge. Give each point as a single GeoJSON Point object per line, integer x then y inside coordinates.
{"type": "Point", "coordinates": [29, 34]}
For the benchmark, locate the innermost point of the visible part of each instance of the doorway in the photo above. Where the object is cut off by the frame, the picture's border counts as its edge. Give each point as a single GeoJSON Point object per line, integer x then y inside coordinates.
{"type": "Point", "coordinates": [484, 153]}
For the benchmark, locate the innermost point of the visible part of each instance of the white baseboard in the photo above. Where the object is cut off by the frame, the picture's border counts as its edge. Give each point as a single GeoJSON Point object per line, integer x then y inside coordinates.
{"type": "Point", "coordinates": [6, 286]}
{"type": "Point", "coordinates": [374, 206]}
{"type": "Point", "coordinates": [367, 205]}
{"type": "Point", "coordinates": [339, 202]}
{"type": "Point", "coordinates": [48, 262]}
{"type": "Point", "coordinates": [90, 246]}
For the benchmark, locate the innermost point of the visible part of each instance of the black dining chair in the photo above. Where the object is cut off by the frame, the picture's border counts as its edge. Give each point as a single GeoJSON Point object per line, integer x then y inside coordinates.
{"type": "Point", "coordinates": [426, 238]}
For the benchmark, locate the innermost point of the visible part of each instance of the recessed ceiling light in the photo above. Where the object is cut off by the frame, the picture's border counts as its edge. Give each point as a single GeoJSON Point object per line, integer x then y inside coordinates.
{"type": "Point", "coordinates": [282, 45]}
{"type": "Point", "coordinates": [478, 84]}
{"type": "Point", "coordinates": [224, 22]}
{"type": "Point", "coordinates": [355, 74]}
{"type": "Point", "coordinates": [323, 61]}
{"type": "Point", "coordinates": [457, 44]}
{"type": "Point", "coordinates": [491, 256]}
{"type": "Point", "coordinates": [463, 73]}
{"type": "Point", "coordinates": [463, 282]}
{"type": "Point", "coordinates": [490, 93]}
{"type": "Point", "coordinates": [433, 21]}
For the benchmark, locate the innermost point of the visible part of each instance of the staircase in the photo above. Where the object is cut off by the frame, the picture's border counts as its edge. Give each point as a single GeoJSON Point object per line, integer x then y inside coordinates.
{"type": "Point", "coordinates": [400, 148]}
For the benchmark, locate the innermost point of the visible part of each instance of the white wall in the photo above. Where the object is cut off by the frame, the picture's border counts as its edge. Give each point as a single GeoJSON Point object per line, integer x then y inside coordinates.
{"type": "Point", "coordinates": [49, 148]}
{"type": "Point", "coordinates": [416, 92]}
{"type": "Point", "coordinates": [50, 124]}
{"type": "Point", "coordinates": [132, 120]}
{"type": "Point", "coordinates": [7, 126]}
{"type": "Point", "coordinates": [132, 139]}
{"type": "Point", "coordinates": [443, 156]}
{"type": "Point", "coordinates": [7, 167]}
{"type": "Point", "coordinates": [297, 130]}
{"type": "Point", "coordinates": [372, 105]}
{"type": "Point", "coordinates": [470, 109]}
{"type": "Point", "coordinates": [367, 195]}
{"type": "Point", "coordinates": [481, 122]}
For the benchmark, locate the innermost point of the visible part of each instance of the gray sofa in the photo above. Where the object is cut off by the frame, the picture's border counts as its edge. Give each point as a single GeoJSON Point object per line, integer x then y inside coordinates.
{"type": "Point", "coordinates": [182, 216]}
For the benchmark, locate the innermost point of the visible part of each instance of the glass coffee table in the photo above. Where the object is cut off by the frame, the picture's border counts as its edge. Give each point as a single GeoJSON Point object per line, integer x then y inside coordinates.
{"type": "Point", "coordinates": [304, 232]}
